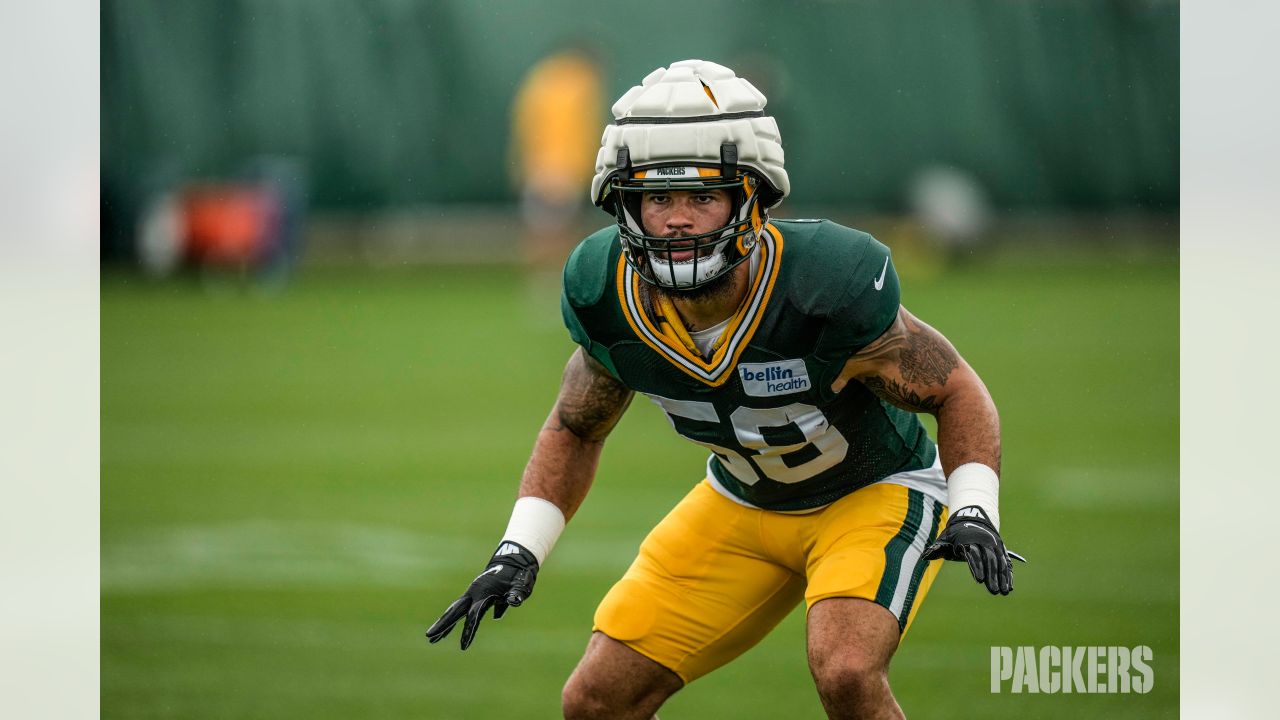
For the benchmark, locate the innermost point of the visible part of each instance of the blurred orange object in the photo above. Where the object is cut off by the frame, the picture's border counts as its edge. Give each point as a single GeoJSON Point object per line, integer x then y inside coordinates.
{"type": "Point", "coordinates": [228, 224]}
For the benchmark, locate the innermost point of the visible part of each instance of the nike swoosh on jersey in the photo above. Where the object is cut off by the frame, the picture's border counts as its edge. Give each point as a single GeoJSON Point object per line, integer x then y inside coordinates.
{"type": "Point", "coordinates": [879, 283]}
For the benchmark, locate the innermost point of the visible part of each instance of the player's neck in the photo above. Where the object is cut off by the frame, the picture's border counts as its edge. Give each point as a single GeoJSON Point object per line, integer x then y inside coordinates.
{"type": "Point", "coordinates": [702, 312]}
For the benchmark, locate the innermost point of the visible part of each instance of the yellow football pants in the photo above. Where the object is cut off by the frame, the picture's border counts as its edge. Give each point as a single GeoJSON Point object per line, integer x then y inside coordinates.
{"type": "Point", "coordinates": [714, 577]}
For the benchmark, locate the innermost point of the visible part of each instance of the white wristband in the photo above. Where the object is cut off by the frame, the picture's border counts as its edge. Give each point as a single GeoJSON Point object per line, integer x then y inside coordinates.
{"type": "Point", "coordinates": [975, 484]}
{"type": "Point", "coordinates": [536, 524]}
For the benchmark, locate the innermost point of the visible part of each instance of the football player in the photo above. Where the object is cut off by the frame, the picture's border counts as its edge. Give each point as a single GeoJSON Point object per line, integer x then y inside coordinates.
{"type": "Point", "coordinates": [781, 347]}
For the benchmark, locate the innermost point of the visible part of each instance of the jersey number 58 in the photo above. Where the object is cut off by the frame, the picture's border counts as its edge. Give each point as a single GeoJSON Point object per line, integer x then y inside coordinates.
{"type": "Point", "coordinates": [787, 444]}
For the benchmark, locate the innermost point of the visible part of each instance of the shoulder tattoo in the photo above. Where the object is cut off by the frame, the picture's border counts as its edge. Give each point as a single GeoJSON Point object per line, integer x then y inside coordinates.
{"type": "Point", "coordinates": [590, 403]}
{"type": "Point", "coordinates": [926, 358]}
{"type": "Point", "coordinates": [906, 362]}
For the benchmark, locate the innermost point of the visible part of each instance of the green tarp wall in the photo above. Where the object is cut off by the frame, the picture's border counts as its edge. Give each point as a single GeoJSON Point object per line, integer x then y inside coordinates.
{"type": "Point", "coordinates": [390, 102]}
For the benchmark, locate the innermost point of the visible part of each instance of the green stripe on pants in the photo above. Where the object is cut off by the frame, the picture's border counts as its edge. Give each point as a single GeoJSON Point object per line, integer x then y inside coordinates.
{"type": "Point", "coordinates": [920, 568]}
{"type": "Point", "coordinates": [894, 550]}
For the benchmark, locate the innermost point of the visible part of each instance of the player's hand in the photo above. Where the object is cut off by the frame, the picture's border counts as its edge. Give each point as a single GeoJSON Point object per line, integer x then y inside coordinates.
{"type": "Point", "coordinates": [970, 536]}
{"type": "Point", "coordinates": [506, 582]}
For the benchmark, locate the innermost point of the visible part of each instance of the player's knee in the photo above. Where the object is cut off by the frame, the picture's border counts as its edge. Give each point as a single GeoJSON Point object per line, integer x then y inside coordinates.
{"type": "Point", "coordinates": [588, 696]}
{"type": "Point", "coordinates": [850, 675]}
{"type": "Point", "coordinates": [580, 700]}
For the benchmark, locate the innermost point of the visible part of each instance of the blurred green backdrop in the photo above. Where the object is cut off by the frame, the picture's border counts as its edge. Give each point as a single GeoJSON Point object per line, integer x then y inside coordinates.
{"type": "Point", "coordinates": [393, 102]}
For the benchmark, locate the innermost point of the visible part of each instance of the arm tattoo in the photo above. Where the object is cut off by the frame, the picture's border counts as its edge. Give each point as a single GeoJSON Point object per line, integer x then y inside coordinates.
{"type": "Point", "coordinates": [590, 402]}
{"type": "Point", "coordinates": [906, 362]}
{"type": "Point", "coordinates": [922, 355]}
{"type": "Point", "coordinates": [926, 359]}
{"type": "Point", "coordinates": [902, 396]}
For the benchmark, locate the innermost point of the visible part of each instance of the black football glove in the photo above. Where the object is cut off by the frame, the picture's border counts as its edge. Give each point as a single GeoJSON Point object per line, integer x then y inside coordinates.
{"type": "Point", "coordinates": [970, 536]}
{"type": "Point", "coordinates": [506, 582]}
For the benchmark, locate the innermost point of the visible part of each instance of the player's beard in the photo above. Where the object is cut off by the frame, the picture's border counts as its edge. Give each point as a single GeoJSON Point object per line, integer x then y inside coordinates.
{"type": "Point", "coordinates": [716, 287]}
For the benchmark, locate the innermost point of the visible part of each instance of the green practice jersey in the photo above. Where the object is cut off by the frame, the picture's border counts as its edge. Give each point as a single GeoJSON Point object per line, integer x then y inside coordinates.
{"type": "Point", "coordinates": [762, 403]}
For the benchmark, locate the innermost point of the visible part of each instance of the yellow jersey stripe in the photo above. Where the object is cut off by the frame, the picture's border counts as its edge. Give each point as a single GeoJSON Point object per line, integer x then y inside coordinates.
{"type": "Point", "coordinates": [716, 370]}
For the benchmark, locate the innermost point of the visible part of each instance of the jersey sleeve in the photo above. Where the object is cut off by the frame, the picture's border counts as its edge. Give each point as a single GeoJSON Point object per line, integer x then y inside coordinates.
{"type": "Point", "coordinates": [578, 333]}
{"type": "Point", "coordinates": [583, 286]}
{"type": "Point", "coordinates": [870, 304]}
{"type": "Point", "coordinates": [867, 308]}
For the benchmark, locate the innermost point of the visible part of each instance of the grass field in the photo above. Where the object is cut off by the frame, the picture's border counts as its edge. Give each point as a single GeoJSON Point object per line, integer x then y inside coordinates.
{"type": "Point", "coordinates": [294, 487]}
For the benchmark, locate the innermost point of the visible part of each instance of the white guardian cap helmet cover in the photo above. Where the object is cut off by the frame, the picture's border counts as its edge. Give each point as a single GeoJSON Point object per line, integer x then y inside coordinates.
{"type": "Point", "coordinates": [692, 126]}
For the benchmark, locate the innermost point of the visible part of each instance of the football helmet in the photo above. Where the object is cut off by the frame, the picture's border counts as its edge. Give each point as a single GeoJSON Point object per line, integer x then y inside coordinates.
{"type": "Point", "coordinates": [692, 126]}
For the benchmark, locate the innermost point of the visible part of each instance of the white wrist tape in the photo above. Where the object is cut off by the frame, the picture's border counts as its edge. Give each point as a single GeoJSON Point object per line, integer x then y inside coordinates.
{"type": "Point", "coordinates": [536, 524]}
{"type": "Point", "coordinates": [975, 484]}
